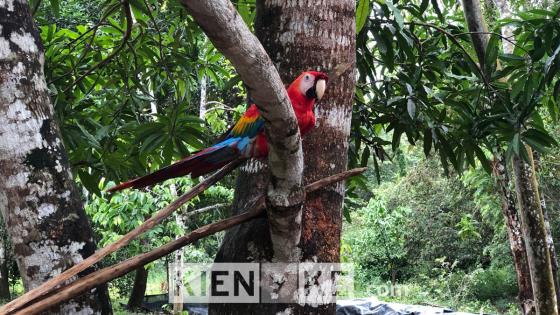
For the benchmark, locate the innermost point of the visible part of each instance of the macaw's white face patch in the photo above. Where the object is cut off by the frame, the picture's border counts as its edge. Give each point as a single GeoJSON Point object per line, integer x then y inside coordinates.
{"type": "Point", "coordinates": [307, 82]}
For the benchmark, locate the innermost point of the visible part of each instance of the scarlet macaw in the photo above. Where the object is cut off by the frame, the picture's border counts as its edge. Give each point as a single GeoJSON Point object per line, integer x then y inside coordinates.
{"type": "Point", "coordinates": [245, 139]}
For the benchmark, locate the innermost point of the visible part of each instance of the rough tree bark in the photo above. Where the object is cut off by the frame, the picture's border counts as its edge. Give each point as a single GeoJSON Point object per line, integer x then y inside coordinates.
{"type": "Point", "coordinates": [515, 236]}
{"type": "Point", "coordinates": [300, 35]}
{"type": "Point", "coordinates": [40, 203]}
{"type": "Point", "coordinates": [549, 237]}
{"type": "Point", "coordinates": [534, 231]}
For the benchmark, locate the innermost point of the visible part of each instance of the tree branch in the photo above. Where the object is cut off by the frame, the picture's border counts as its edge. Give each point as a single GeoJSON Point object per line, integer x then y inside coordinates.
{"type": "Point", "coordinates": [474, 19]}
{"type": "Point", "coordinates": [123, 241]}
{"type": "Point", "coordinates": [204, 209]}
{"type": "Point", "coordinates": [102, 63]}
{"type": "Point", "coordinates": [104, 275]}
{"type": "Point", "coordinates": [230, 35]}
{"type": "Point", "coordinates": [80, 39]}
{"type": "Point", "coordinates": [506, 38]}
{"type": "Point", "coordinates": [458, 44]}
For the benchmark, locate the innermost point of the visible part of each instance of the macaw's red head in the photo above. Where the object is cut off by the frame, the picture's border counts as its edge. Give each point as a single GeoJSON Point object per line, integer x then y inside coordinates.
{"type": "Point", "coordinates": [310, 85]}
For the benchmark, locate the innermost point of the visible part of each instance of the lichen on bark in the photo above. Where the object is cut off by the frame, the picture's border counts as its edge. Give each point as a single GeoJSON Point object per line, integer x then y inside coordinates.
{"type": "Point", "coordinates": [534, 231]}
{"type": "Point", "coordinates": [47, 225]}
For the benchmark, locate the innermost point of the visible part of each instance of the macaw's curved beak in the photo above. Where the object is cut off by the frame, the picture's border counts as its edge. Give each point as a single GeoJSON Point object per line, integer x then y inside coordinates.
{"type": "Point", "coordinates": [320, 87]}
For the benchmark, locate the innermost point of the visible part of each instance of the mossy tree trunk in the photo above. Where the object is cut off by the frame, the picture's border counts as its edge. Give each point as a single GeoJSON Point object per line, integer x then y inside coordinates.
{"type": "Point", "coordinates": [39, 200]}
{"type": "Point", "coordinates": [534, 231]}
{"type": "Point", "coordinates": [515, 236]}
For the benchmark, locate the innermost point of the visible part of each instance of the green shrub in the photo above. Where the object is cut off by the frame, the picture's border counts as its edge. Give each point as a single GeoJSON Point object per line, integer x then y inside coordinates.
{"type": "Point", "coordinates": [493, 284]}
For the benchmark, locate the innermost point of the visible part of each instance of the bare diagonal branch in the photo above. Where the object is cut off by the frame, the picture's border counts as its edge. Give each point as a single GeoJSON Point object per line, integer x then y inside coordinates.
{"type": "Point", "coordinates": [109, 273]}
{"type": "Point", "coordinates": [48, 286]}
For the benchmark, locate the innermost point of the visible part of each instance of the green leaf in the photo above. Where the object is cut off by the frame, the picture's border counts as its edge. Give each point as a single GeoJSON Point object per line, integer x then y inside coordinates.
{"type": "Point", "coordinates": [362, 14]}
{"type": "Point", "coordinates": [153, 141]}
{"type": "Point", "coordinates": [512, 58]}
{"type": "Point", "coordinates": [516, 143]}
{"type": "Point", "coordinates": [424, 6]}
{"type": "Point", "coordinates": [91, 183]}
{"type": "Point", "coordinates": [540, 136]}
{"type": "Point", "coordinates": [517, 87]}
{"type": "Point", "coordinates": [524, 153]}
{"type": "Point", "coordinates": [245, 12]}
{"type": "Point", "coordinates": [542, 12]}
{"type": "Point", "coordinates": [91, 140]}
{"type": "Point", "coordinates": [446, 147]}
{"type": "Point", "coordinates": [552, 109]}
{"type": "Point", "coordinates": [537, 120]}
{"type": "Point", "coordinates": [469, 153]}
{"type": "Point", "coordinates": [139, 5]}
{"type": "Point", "coordinates": [346, 213]}
{"type": "Point", "coordinates": [365, 157]}
{"type": "Point", "coordinates": [550, 61]}
{"type": "Point", "coordinates": [438, 11]}
{"type": "Point", "coordinates": [483, 160]}
{"type": "Point", "coordinates": [396, 137]}
{"type": "Point", "coordinates": [396, 12]}
{"type": "Point", "coordinates": [535, 144]}
{"type": "Point", "coordinates": [411, 107]}
{"type": "Point", "coordinates": [376, 168]}
{"type": "Point", "coordinates": [491, 56]}
{"type": "Point", "coordinates": [556, 92]}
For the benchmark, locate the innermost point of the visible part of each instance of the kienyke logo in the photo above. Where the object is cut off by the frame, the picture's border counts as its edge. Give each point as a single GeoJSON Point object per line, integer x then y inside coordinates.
{"type": "Point", "coordinates": [303, 283]}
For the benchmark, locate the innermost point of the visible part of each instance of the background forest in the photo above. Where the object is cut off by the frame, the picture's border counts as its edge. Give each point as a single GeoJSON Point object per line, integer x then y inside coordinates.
{"type": "Point", "coordinates": [135, 89]}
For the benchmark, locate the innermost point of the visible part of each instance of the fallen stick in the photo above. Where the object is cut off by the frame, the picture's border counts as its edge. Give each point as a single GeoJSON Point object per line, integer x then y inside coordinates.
{"type": "Point", "coordinates": [96, 278]}
{"type": "Point", "coordinates": [123, 241]}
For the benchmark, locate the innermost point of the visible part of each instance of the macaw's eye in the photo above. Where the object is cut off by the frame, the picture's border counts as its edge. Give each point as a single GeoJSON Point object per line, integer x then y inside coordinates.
{"type": "Point", "coordinates": [307, 77]}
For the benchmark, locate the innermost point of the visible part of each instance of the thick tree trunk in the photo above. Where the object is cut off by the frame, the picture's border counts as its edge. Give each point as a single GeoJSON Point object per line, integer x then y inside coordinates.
{"type": "Point", "coordinates": [515, 236]}
{"type": "Point", "coordinates": [138, 289]}
{"type": "Point", "coordinates": [534, 230]}
{"type": "Point", "coordinates": [552, 250]}
{"type": "Point", "coordinates": [300, 35]}
{"type": "Point", "coordinates": [47, 225]}
{"type": "Point", "coordinates": [549, 237]}
{"type": "Point", "coordinates": [231, 36]}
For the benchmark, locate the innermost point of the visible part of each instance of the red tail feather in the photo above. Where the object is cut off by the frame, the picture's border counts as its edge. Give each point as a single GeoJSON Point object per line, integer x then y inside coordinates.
{"type": "Point", "coordinates": [197, 164]}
